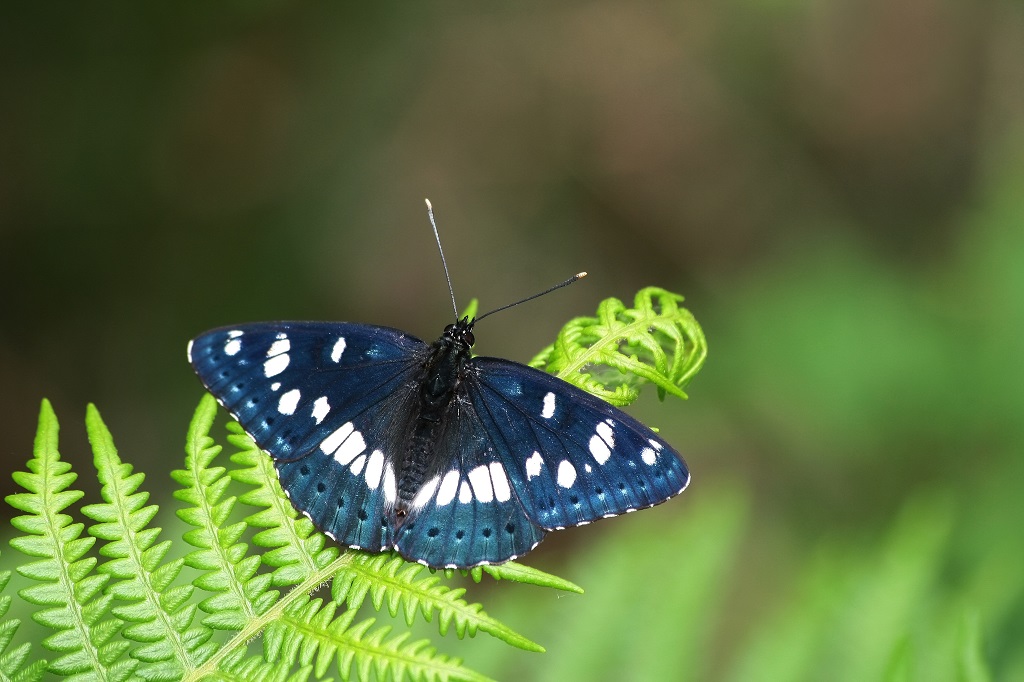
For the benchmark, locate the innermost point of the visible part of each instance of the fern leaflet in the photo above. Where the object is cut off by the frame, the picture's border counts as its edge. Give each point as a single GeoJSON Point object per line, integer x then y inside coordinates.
{"type": "Point", "coordinates": [160, 615]}
{"type": "Point", "coordinates": [240, 594]}
{"type": "Point", "coordinates": [613, 354]}
{"type": "Point", "coordinates": [69, 592]}
{"type": "Point", "coordinates": [12, 663]}
{"type": "Point", "coordinates": [311, 629]}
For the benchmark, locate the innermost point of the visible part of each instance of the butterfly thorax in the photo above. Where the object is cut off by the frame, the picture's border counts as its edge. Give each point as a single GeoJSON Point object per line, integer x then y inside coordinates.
{"type": "Point", "coordinates": [441, 375]}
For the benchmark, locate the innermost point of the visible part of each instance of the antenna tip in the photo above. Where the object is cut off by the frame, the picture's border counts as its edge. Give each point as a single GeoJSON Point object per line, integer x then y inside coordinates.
{"type": "Point", "coordinates": [580, 275]}
{"type": "Point", "coordinates": [427, 202]}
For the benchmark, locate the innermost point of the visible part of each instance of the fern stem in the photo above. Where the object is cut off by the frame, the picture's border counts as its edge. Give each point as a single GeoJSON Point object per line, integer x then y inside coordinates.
{"type": "Point", "coordinates": [258, 622]}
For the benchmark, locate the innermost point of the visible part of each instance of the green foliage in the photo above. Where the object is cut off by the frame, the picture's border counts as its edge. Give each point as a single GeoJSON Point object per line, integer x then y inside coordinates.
{"type": "Point", "coordinates": [12, 662]}
{"type": "Point", "coordinates": [152, 610]}
{"type": "Point", "coordinates": [140, 616]}
{"type": "Point", "coordinates": [69, 591]}
{"type": "Point", "coordinates": [613, 354]}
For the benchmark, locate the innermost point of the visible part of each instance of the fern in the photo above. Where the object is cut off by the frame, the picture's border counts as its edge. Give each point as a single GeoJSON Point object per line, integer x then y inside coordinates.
{"type": "Point", "coordinates": [12, 663]}
{"type": "Point", "coordinates": [159, 617]}
{"type": "Point", "coordinates": [66, 585]}
{"type": "Point", "coordinates": [613, 354]}
{"type": "Point", "coordinates": [140, 615]}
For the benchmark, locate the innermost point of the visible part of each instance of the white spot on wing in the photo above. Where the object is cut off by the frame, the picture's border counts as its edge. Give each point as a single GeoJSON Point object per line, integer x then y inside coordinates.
{"type": "Point", "coordinates": [276, 365]}
{"type": "Point", "coordinates": [352, 446]}
{"type": "Point", "coordinates": [502, 492]}
{"type": "Point", "coordinates": [235, 333]}
{"type": "Point", "coordinates": [449, 486]}
{"type": "Point", "coordinates": [465, 494]}
{"type": "Point", "coordinates": [232, 347]}
{"type": "Point", "coordinates": [331, 443]}
{"type": "Point", "coordinates": [339, 348]}
{"type": "Point", "coordinates": [279, 346]}
{"type": "Point", "coordinates": [655, 444]}
{"type": "Point", "coordinates": [320, 409]}
{"type": "Point", "coordinates": [275, 386]}
{"type": "Point", "coordinates": [566, 474]}
{"type": "Point", "coordinates": [188, 351]}
{"type": "Point", "coordinates": [533, 465]}
{"type": "Point", "coordinates": [374, 469]}
{"type": "Point", "coordinates": [289, 401]}
{"type": "Point", "coordinates": [549, 406]}
{"type": "Point", "coordinates": [604, 430]}
{"type": "Point", "coordinates": [425, 493]}
{"type": "Point", "coordinates": [648, 455]}
{"type": "Point", "coordinates": [390, 489]}
{"type": "Point", "coordinates": [357, 465]}
{"type": "Point", "coordinates": [481, 481]}
{"type": "Point", "coordinates": [599, 449]}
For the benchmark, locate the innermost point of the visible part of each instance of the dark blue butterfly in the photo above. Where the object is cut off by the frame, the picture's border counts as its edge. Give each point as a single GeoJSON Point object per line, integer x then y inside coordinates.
{"type": "Point", "coordinates": [385, 442]}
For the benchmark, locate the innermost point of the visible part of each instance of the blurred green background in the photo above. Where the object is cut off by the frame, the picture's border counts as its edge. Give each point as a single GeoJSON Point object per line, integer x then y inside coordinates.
{"type": "Point", "coordinates": [837, 188]}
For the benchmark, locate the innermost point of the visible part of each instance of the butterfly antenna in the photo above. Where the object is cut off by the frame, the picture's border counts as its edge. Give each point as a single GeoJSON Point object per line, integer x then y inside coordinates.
{"type": "Point", "coordinates": [437, 238]}
{"type": "Point", "coordinates": [577, 276]}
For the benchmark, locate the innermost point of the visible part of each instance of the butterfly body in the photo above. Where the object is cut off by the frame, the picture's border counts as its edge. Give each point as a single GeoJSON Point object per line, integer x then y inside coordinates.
{"type": "Point", "coordinates": [386, 442]}
{"type": "Point", "coordinates": [441, 375]}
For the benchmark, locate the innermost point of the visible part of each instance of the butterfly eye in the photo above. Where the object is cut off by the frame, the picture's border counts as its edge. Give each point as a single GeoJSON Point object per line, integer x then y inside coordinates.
{"type": "Point", "coordinates": [449, 328]}
{"type": "Point", "coordinates": [470, 339]}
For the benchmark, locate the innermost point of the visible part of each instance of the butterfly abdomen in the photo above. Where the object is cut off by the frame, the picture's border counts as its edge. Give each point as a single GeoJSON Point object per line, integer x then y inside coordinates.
{"type": "Point", "coordinates": [441, 375]}
{"type": "Point", "coordinates": [415, 465]}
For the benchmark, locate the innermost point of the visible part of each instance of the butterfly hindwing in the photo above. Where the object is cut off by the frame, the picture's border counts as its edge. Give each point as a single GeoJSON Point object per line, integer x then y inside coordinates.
{"type": "Point", "coordinates": [330, 403]}
{"type": "Point", "coordinates": [468, 513]}
{"type": "Point", "coordinates": [571, 457]}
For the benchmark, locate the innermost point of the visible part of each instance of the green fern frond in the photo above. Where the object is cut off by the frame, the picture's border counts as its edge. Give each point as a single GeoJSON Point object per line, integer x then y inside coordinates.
{"type": "Point", "coordinates": [299, 555]}
{"type": "Point", "coordinates": [66, 586]}
{"type": "Point", "coordinates": [312, 629]}
{"type": "Point", "coordinates": [297, 550]}
{"type": "Point", "coordinates": [12, 663]}
{"type": "Point", "coordinates": [240, 593]}
{"type": "Point", "coordinates": [519, 573]}
{"type": "Point", "coordinates": [613, 354]}
{"type": "Point", "coordinates": [240, 667]}
{"type": "Point", "coordinates": [390, 580]}
{"type": "Point", "coordinates": [160, 615]}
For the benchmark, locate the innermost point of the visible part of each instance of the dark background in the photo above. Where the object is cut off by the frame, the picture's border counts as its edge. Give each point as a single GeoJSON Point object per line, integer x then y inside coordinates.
{"type": "Point", "coordinates": [836, 187]}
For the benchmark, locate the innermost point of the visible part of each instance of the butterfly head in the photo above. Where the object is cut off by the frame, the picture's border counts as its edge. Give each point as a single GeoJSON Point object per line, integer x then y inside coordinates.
{"type": "Point", "coordinates": [461, 333]}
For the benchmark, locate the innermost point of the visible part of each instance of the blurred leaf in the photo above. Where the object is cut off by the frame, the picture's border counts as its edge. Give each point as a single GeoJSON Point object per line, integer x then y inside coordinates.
{"type": "Point", "coordinates": [838, 356]}
{"type": "Point", "coordinates": [851, 608]}
{"type": "Point", "coordinates": [654, 593]}
{"type": "Point", "coordinates": [971, 661]}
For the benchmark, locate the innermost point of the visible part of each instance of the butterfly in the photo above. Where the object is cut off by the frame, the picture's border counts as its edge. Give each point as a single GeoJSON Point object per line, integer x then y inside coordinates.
{"type": "Point", "coordinates": [388, 443]}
